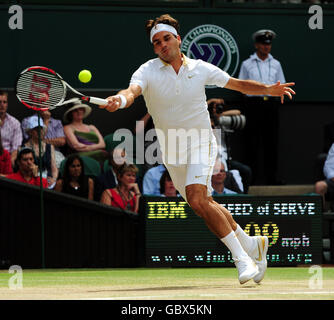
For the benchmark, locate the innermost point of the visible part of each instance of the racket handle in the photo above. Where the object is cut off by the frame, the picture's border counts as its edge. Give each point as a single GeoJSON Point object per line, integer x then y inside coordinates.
{"type": "Point", "coordinates": [95, 100]}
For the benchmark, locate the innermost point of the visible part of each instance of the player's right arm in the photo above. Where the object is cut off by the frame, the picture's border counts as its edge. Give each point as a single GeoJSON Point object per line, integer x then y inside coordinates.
{"type": "Point", "coordinates": [130, 94]}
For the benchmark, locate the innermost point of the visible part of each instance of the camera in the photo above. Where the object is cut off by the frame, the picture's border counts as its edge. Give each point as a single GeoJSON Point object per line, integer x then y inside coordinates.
{"type": "Point", "coordinates": [228, 123]}
{"type": "Point", "coordinates": [236, 122]}
{"type": "Point", "coordinates": [219, 108]}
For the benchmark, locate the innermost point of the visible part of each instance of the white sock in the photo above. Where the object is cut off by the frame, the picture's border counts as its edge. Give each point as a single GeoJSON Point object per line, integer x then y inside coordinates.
{"type": "Point", "coordinates": [232, 242]}
{"type": "Point", "coordinates": [247, 242]}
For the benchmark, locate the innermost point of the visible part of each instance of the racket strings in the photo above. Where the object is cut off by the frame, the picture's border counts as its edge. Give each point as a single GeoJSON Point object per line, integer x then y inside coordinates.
{"type": "Point", "coordinates": [40, 89]}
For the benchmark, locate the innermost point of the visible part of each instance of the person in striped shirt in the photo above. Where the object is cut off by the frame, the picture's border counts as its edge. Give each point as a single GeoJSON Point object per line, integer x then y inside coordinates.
{"type": "Point", "coordinates": [10, 128]}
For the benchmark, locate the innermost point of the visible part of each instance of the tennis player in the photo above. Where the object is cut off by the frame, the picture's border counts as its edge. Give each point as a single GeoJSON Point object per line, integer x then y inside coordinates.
{"type": "Point", "coordinates": [173, 87]}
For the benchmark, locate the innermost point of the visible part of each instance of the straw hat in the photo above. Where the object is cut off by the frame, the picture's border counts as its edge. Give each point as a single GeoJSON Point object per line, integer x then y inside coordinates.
{"type": "Point", "coordinates": [74, 104]}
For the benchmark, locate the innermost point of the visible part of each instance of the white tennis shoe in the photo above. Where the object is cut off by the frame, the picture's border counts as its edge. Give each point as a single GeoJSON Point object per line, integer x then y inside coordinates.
{"type": "Point", "coordinates": [260, 257]}
{"type": "Point", "coordinates": [247, 269]}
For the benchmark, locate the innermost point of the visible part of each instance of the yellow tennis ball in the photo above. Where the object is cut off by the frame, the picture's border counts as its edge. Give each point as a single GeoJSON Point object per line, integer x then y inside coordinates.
{"type": "Point", "coordinates": [85, 76]}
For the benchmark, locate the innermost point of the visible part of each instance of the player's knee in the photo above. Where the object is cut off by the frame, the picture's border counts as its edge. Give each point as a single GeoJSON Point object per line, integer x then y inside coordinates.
{"type": "Point", "coordinates": [198, 205]}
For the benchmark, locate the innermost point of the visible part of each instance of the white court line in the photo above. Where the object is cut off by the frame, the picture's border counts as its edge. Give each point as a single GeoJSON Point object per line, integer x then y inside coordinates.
{"type": "Point", "coordinates": [214, 295]}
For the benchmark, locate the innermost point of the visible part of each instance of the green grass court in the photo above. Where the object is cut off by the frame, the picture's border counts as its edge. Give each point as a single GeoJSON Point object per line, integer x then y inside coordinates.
{"type": "Point", "coordinates": [167, 284]}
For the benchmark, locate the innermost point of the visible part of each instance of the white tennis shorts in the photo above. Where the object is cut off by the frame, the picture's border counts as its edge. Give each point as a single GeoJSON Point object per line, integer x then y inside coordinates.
{"type": "Point", "coordinates": [199, 172]}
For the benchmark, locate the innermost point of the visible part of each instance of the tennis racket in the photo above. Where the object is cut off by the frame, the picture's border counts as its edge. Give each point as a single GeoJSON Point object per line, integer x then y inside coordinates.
{"type": "Point", "coordinates": [41, 88]}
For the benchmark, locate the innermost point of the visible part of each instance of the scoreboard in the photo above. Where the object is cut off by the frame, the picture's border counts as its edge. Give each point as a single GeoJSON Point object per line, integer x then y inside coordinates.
{"type": "Point", "coordinates": [176, 236]}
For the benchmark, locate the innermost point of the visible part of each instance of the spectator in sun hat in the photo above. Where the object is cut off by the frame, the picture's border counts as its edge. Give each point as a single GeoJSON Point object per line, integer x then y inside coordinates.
{"type": "Point", "coordinates": [84, 139]}
{"type": "Point", "coordinates": [54, 133]}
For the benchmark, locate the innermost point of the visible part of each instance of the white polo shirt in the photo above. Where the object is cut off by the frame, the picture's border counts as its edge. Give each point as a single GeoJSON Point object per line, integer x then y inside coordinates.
{"type": "Point", "coordinates": [178, 100]}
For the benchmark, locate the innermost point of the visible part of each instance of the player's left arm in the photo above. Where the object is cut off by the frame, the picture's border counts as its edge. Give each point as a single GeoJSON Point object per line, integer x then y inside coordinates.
{"type": "Point", "coordinates": [257, 88]}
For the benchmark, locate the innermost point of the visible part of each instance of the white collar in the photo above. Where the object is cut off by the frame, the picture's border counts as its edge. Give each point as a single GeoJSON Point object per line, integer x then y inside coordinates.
{"type": "Point", "coordinates": [254, 56]}
{"type": "Point", "coordinates": [185, 62]}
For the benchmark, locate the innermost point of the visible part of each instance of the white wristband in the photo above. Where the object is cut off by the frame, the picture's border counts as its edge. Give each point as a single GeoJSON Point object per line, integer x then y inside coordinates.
{"type": "Point", "coordinates": [123, 101]}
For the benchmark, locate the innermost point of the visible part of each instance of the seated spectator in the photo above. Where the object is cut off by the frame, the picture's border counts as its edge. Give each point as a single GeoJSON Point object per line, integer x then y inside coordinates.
{"type": "Point", "coordinates": [326, 187]}
{"type": "Point", "coordinates": [54, 134]}
{"type": "Point", "coordinates": [108, 179]}
{"type": "Point", "coordinates": [151, 181]}
{"type": "Point", "coordinates": [74, 181]}
{"type": "Point", "coordinates": [27, 169]}
{"type": "Point", "coordinates": [328, 140]}
{"type": "Point", "coordinates": [218, 179]}
{"type": "Point", "coordinates": [126, 194]}
{"type": "Point", "coordinates": [167, 188]}
{"type": "Point", "coordinates": [86, 140]}
{"type": "Point", "coordinates": [5, 161]}
{"type": "Point", "coordinates": [48, 160]}
{"type": "Point", "coordinates": [10, 129]}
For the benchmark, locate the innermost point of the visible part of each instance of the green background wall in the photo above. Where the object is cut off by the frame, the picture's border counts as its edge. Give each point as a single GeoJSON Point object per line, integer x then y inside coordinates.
{"type": "Point", "coordinates": [111, 42]}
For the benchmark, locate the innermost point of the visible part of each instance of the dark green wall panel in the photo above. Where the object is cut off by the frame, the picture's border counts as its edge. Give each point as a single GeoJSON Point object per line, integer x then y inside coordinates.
{"type": "Point", "coordinates": [111, 42]}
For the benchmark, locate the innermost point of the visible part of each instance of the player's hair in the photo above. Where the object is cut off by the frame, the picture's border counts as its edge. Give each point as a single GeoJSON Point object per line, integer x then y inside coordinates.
{"type": "Point", "coordinates": [166, 19]}
{"type": "Point", "coordinates": [3, 93]}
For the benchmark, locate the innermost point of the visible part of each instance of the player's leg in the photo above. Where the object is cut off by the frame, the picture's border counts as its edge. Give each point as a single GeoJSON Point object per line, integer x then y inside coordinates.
{"type": "Point", "coordinates": [218, 223]}
{"type": "Point", "coordinates": [247, 242]}
{"type": "Point", "coordinates": [255, 246]}
{"type": "Point", "coordinates": [215, 220]}
{"type": "Point", "coordinates": [200, 174]}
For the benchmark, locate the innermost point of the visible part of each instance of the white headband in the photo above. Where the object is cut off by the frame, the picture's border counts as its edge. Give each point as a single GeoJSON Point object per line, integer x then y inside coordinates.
{"type": "Point", "coordinates": [162, 27]}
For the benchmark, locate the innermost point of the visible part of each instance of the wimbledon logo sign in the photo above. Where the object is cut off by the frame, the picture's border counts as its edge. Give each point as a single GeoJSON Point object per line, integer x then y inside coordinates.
{"type": "Point", "coordinates": [213, 44]}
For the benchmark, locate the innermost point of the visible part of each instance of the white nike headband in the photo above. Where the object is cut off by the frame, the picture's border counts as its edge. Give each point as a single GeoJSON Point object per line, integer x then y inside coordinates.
{"type": "Point", "coordinates": [162, 27]}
